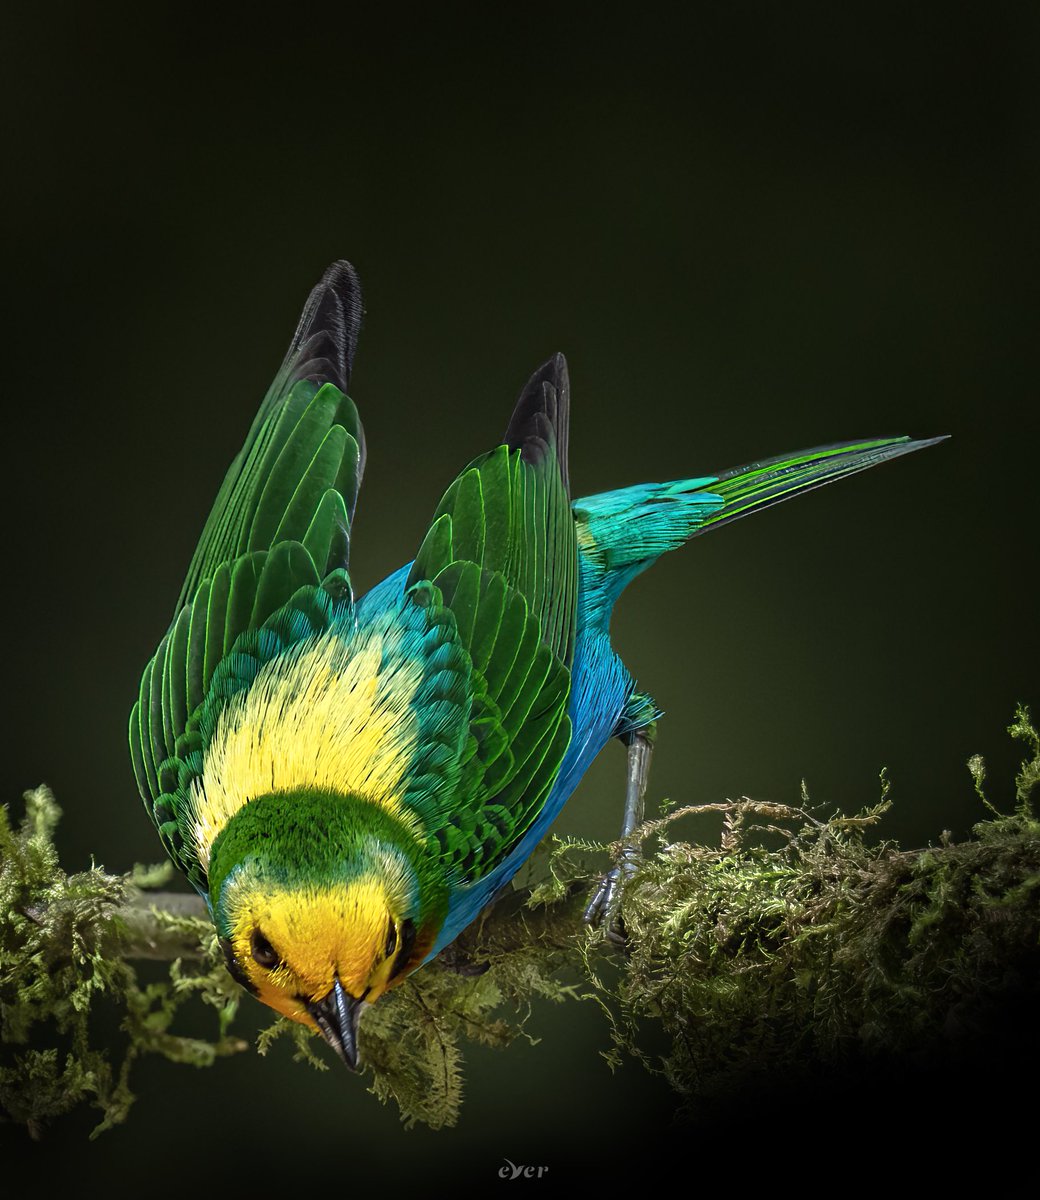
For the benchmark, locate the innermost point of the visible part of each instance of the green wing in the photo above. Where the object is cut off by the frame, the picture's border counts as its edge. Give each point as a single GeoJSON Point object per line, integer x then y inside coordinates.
{"type": "Point", "coordinates": [260, 488]}
{"type": "Point", "coordinates": [502, 557]}
{"type": "Point", "coordinates": [280, 526]}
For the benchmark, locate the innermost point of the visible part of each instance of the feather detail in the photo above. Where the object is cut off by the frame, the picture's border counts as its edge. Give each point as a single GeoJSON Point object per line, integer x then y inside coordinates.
{"type": "Point", "coordinates": [501, 557]}
{"type": "Point", "coordinates": [280, 524]}
{"type": "Point", "coordinates": [623, 532]}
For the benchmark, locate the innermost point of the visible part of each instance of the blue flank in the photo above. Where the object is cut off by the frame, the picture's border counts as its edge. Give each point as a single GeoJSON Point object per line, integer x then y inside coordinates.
{"type": "Point", "coordinates": [620, 534]}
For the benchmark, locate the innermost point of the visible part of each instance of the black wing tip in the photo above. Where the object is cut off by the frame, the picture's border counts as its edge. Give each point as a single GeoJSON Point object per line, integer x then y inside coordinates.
{"type": "Point", "coordinates": [325, 341]}
{"type": "Point", "coordinates": [341, 269]}
{"type": "Point", "coordinates": [541, 418]}
{"type": "Point", "coordinates": [341, 279]}
{"type": "Point", "coordinates": [552, 372]}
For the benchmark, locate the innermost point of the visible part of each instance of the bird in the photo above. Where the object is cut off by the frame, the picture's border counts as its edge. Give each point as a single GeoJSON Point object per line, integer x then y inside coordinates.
{"type": "Point", "coordinates": [349, 781]}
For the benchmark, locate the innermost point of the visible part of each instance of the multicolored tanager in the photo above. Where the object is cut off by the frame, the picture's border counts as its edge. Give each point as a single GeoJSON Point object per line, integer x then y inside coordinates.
{"type": "Point", "coordinates": [349, 781]}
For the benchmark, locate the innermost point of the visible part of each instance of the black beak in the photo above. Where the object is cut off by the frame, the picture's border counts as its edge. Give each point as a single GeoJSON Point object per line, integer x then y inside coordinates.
{"type": "Point", "coordinates": [337, 1017]}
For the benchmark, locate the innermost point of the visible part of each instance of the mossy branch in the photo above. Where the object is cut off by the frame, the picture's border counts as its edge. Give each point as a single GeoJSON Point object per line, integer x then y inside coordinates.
{"type": "Point", "coordinates": [791, 941]}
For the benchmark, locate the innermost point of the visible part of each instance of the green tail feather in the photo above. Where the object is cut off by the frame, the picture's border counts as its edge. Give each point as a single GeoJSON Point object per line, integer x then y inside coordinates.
{"type": "Point", "coordinates": [756, 486]}
{"type": "Point", "coordinates": [622, 533]}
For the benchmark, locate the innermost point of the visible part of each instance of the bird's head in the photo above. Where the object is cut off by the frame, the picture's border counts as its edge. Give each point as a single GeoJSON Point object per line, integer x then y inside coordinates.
{"type": "Point", "coordinates": [317, 925]}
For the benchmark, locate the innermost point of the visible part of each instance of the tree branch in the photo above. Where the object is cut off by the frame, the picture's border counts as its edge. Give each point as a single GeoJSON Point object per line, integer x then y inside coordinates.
{"type": "Point", "coordinates": [162, 925]}
{"type": "Point", "coordinates": [748, 955]}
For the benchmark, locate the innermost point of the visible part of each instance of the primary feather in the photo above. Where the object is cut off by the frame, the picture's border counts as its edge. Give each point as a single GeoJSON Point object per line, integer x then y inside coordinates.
{"type": "Point", "coordinates": [348, 783]}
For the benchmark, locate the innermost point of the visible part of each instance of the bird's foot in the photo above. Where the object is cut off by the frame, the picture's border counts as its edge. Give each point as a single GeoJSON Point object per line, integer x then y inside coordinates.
{"type": "Point", "coordinates": [603, 908]}
{"type": "Point", "coordinates": [604, 903]}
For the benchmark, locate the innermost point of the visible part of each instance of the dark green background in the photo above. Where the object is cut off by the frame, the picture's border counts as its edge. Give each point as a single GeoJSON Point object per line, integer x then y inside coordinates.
{"type": "Point", "coordinates": [753, 230]}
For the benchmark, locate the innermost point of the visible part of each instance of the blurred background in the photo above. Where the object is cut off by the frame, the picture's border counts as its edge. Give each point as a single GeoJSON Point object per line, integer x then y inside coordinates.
{"type": "Point", "coordinates": [757, 230]}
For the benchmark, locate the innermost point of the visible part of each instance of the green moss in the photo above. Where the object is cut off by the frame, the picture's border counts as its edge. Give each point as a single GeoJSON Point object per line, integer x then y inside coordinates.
{"type": "Point", "coordinates": [795, 940]}
{"type": "Point", "coordinates": [755, 960]}
{"type": "Point", "coordinates": [65, 943]}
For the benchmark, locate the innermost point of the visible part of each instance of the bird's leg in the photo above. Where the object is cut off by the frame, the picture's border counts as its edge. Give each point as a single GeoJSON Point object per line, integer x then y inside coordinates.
{"type": "Point", "coordinates": [603, 905]}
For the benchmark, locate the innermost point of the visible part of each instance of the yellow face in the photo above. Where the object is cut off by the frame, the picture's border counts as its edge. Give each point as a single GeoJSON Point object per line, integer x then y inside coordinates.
{"type": "Point", "coordinates": [293, 944]}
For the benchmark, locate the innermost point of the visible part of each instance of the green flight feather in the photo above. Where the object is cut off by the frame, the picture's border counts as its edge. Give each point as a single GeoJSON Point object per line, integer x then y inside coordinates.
{"type": "Point", "coordinates": [328, 531]}
{"type": "Point", "coordinates": [195, 681]}
{"type": "Point", "coordinates": [212, 633]}
{"type": "Point", "coordinates": [280, 526]}
{"type": "Point", "coordinates": [166, 777]}
{"type": "Point", "coordinates": [176, 680]}
{"type": "Point", "coordinates": [510, 511]}
{"type": "Point", "coordinates": [501, 557]}
{"type": "Point", "coordinates": [288, 568]}
{"type": "Point", "coordinates": [244, 574]}
{"type": "Point", "coordinates": [321, 352]}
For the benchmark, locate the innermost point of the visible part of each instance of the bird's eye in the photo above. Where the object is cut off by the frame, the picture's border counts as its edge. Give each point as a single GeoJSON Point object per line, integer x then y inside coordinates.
{"type": "Point", "coordinates": [405, 950]}
{"type": "Point", "coordinates": [391, 940]}
{"type": "Point", "coordinates": [263, 952]}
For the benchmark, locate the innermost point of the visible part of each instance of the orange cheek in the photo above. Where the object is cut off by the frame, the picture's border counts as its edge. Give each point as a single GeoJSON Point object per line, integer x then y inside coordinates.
{"type": "Point", "coordinates": [282, 1003]}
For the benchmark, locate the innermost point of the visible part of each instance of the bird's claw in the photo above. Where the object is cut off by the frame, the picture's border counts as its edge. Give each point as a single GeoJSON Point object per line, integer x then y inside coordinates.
{"type": "Point", "coordinates": [602, 908]}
